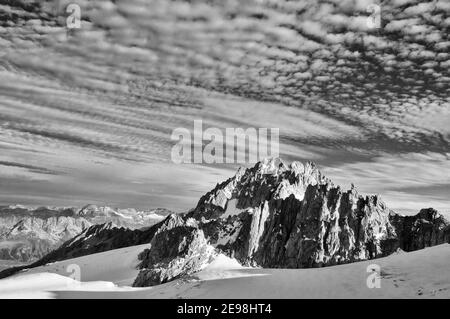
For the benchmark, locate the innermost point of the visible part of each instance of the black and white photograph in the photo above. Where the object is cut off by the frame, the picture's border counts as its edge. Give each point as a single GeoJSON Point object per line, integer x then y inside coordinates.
{"type": "Point", "coordinates": [225, 150]}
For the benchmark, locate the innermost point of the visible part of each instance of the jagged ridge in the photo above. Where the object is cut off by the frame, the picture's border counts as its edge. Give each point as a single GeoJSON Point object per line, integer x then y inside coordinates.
{"type": "Point", "coordinates": [270, 215]}
{"type": "Point", "coordinates": [274, 215]}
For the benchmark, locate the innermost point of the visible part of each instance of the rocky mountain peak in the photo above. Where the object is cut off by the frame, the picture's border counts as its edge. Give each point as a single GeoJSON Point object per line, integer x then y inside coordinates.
{"type": "Point", "coordinates": [271, 215]}
{"type": "Point", "coordinates": [91, 210]}
{"type": "Point", "coordinates": [268, 179]}
{"type": "Point", "coordinates": [278, 215]}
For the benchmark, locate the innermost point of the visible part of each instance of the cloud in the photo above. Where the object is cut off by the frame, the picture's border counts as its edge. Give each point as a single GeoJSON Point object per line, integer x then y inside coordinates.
{"type": "Point", "coordinates": [421, 179]}
{"type": "Point", "coordinates": [136, 70]}
{"type": "Point", "coordinates": [31, 168]}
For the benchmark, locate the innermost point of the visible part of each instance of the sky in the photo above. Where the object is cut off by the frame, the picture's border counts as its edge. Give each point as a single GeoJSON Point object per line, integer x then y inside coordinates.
{"type": "Point", "coordinates": [86, 115]}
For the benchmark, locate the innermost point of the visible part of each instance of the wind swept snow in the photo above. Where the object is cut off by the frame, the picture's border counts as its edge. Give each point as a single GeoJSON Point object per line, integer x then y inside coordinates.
{"type": "Point", "coordinates": [44, 285]}
{"type": "Point", "coordinates": [118, 266]}
{"type": "Point", "coordinates": [403, 275]}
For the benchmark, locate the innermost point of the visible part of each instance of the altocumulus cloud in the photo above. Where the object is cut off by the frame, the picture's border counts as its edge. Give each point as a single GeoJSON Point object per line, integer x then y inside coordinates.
{"type": "Point", "coordinates": [369, 104]}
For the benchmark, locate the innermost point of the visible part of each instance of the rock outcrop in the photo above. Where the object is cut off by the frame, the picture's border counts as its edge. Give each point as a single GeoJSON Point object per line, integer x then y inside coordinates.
{"type": "Point", "coordinates": [176, 250]}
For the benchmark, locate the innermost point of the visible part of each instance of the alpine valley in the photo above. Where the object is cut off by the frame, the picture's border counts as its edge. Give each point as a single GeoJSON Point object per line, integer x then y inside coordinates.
{"type": "Point", "coordinates": [29, 233]}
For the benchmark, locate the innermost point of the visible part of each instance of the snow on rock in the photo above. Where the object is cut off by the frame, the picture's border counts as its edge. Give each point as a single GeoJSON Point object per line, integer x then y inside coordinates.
{"type": "Point", "coordinates": [224, 267]}
{"type": "Point", "coordinates": [231, 209]}
{"type": "Point", "coordinates": [222, 261]}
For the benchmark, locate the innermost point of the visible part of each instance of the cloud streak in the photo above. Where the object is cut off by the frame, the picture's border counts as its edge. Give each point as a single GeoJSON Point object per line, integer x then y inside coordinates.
{"type": "Point", "coordinates": [352, 98]}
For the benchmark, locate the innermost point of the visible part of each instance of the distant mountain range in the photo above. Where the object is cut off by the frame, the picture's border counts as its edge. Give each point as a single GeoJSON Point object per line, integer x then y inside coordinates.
{"type": "Point", "coordinates": [272, 215]}
{"type": "Point", "coordinates": [29, 233]}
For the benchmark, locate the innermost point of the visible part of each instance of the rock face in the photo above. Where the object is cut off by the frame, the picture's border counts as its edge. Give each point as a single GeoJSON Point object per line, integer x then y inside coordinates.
{"type": "Point", "coordinates": [27, 234]}
{"type": "Point", "coordinates": [427, 228]}
{"type": "Point", "coordinates": [270, 215]}
{"type": "Point", "coordinates": [176, 250]}
{"type": "Point", "coordinates": [274, 215]}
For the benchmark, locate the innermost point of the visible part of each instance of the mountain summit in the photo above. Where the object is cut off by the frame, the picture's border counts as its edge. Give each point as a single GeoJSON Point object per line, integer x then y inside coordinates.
{"type": "Point", "coordinates": [272, 215]}
{"type": "Point", "coordinates": [289, 216]}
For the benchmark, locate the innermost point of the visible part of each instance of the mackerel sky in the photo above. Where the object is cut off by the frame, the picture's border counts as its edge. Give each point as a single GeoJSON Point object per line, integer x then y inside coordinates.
{"type": "Point", "coordinates": [86, 116]}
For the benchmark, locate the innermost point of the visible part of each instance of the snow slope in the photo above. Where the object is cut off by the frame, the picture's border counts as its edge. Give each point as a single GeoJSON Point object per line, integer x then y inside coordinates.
{"type": "Point", "coordinates": [117, 266]}
{"type": "Point", "coordinates": [420, 274]}
{"type": "Point", "coordinates": [44, 285]}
